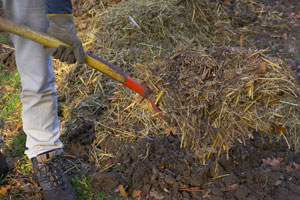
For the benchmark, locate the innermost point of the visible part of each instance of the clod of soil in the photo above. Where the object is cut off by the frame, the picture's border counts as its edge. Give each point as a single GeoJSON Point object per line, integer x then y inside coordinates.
{"type": "Point", "coordinates": [7, 58]}
{"type": "Point", "coordinates": [157, 168]}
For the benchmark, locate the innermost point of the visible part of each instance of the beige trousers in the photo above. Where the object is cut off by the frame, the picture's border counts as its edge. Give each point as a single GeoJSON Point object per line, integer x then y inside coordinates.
{"type": "Point", "coordinates": [39, 96]}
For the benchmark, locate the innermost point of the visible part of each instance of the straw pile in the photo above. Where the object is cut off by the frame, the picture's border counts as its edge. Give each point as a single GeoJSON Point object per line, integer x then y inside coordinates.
{"type": "Point", "coordinates": [212, 95]}
{"type": "Point", "coordinates": [219, 98]}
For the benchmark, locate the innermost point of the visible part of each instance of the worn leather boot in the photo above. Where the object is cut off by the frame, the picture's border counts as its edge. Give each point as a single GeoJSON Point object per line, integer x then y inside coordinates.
{"type": "Point", "coordinates": [51, 178]}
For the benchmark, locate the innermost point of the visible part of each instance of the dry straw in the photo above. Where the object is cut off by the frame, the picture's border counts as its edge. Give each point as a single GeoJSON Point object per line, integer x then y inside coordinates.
{"type": "Point", "coordinates": [213, 95]}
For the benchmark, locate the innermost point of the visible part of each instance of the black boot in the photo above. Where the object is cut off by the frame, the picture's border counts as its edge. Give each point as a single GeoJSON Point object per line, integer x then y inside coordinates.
{"type": "Point", "coordinates": [51, 178]}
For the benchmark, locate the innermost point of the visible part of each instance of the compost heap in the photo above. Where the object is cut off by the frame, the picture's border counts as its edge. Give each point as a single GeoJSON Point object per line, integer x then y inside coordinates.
{"type": "Point", "coordinates": [212, 95]}
{"type": "Point", "coordinates": [214, 99]}
{"type": "Point", "coordinates": [213, 92]}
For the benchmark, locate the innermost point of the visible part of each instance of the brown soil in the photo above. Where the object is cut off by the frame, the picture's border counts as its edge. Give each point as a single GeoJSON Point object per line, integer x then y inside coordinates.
{"type": "Point", "coordinates": [157, 168]}
{"type": "Point", "coordinates": [276, 27]}
{"type": "Point", "coordinates": [7, 57]}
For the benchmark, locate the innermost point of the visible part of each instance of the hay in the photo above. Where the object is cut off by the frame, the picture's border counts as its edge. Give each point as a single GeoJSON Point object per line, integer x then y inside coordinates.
{"type": "Point", "coordinates": [214, 100]}
{"type": "Point", "coordinates": [213, 95]}
{"type": "Point", "coordinates": [139, 31]}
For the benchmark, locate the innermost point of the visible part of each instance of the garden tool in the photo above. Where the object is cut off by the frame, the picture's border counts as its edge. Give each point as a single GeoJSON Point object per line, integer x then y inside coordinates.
{"type": "Point", "coordinates": [93, 61]}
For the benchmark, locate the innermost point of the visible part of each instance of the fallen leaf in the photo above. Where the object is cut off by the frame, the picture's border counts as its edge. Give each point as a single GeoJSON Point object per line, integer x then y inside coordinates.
{"type": "Point", "coordinates": [8, 88]}
{"type": "Point", "coordinates": [262, 69]}
{"type": "Point", "coordinates": [185, 187]}
{"type": "Point", "coordinates": [284, 36]}
{"type": "Point", "coordinates": [194, 189]}
{"type": "Point", "coordinates": [156, 195]}
{"type": "Point", "coordinates": [272, 161]}
{"type": "Point", "coordinates": [3, 189]}
{"type": "Point", "coordinates": [289, 168]}
{"type": "Point", "coordinates": [123, 192]}
{"type": "Point", "coordinates": [82, 26]}
{"type": "Point", "coordinates": [7, 133]}
{"type": "Point", "coordinates": [18, 126]}
{"type": "Point", "coordinates": [170, 130]}
{"type": "Point", "coordinates": [75, 150]}
{"type": "Point", "coordinates": [207, 195]}
{"type": "Point", "coordinates": [161, 165]}
{"type": "Point", "coordinates": [280, 129]}
{"type": "Point", "coordinates": [278, 182]}
{"type": "Point", "coordinates": [233, 187]}
{"type": "Point", "coordinates": [291, 15]}
{"type": "Point", "coordinates": [136, 193]}
{"type": "Point", "coordinates": [190, 189]}
{"type": "Point", "coordinates": [297, 166]}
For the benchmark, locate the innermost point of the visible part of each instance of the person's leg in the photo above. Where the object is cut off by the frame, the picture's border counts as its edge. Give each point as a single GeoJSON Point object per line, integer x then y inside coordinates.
{"type": "Point", "coordinates": [39, 100]}
{"type": "Point", "coordinates": [39, 97]}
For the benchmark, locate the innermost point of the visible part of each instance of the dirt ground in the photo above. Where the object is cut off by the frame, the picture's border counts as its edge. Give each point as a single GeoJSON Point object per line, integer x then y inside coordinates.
{"type": "Point", "coordinates": [157, 168]}
{"type": "Point", "coordinates": [274, 25]}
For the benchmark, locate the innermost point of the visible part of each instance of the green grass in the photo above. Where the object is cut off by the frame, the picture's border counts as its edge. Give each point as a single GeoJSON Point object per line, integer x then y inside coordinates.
{"type": "Point", "coordinates": [82, 187]}
{"type": "Point", "coordinates": [4, 39]}
{"type": "Point", "coordinates": [84, 191]}
{"type": "Point", "coordinates": [17, 145]}
{"type": "Point", "coordinates": [24, 165]}
{"type": "Point", "coordinates": [11, 103]}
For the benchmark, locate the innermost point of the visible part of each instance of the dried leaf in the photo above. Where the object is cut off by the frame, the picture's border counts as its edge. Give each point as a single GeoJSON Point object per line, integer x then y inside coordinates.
{"type": "Point", "coordinates": [170, 130]}
{"type": "Point", "coordinates": [185, 187]}
{"type": "Point", "coordinates": [262, 69]}
{"type": "Point", "coordinates": [188, 189]}
{"type": "Point", "coordinates": [161, 165]}
{"type": "Point", "coordinates": [82, 26]}
{"type": "Point", "coordinates": [136, 193]}
{"type": "Point", "coordinates": [297, 166]}
{"type": "Point", "coordinates": [278, 182]}
{"type": "Point", "coordinates": [8, 88]}
{"type": "Point", "coordinates": [284, 36]}
{"type": "Point", "coordinates": [272, 161]}
{"type": "Point", "coordinates": [233, 187]}
{"type": "Point", "coordinates": [18, 126]}
{"type": "Point", "coordinates": [123, 192]}
{"type": "Point", "coordinates": [3, 189]}
{"type": "Point", "coordinates": [280, 129]}
{"type": "Point", "coordinates": [156, 195]}
{"type": "Point", "coordinates": [289, 168]}
{"type": "Point", "coordinates": [76, 150]}
{"type": "Point", "coordinates": [207, 195]}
